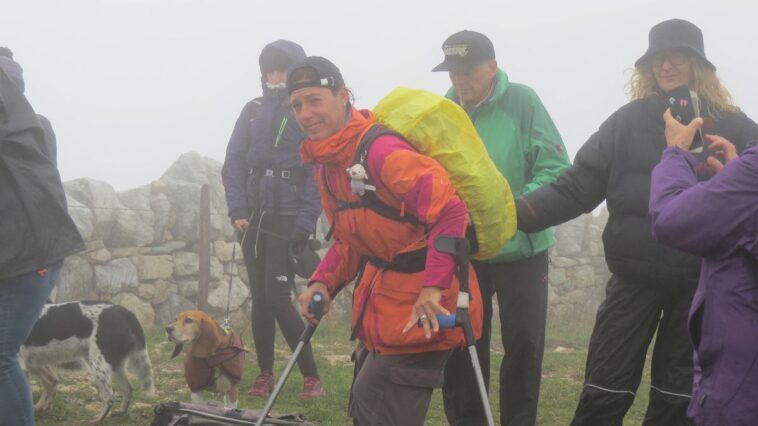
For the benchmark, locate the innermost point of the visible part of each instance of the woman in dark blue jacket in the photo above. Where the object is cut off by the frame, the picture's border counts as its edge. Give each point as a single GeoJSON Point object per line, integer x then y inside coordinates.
{"type": "Point", "coordinates": [274, 204]}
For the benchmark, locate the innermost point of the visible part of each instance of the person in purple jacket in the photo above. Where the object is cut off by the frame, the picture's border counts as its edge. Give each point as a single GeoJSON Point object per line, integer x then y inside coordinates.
{"type": "Point", "coordinates": [273, 204]}
{"type": "Point", "coordinates": [718, 221]}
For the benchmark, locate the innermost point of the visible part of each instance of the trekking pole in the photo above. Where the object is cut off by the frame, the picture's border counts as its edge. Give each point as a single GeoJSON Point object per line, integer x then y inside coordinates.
{"type": "Point", "coordinates": [459, 248]}
{"type": "Point", "coordinates": [316, 307]}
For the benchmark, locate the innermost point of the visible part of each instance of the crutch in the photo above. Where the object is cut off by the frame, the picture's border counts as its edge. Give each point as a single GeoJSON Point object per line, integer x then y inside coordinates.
{"type": "Point", "coordinates": [459, 248]}
{"type": "Point", "coordinates": [316, 307]}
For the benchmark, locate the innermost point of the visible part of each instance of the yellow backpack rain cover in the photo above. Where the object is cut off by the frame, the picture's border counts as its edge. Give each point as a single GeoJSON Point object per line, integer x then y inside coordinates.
{"type": "Point", "coordinates": [439, 128]}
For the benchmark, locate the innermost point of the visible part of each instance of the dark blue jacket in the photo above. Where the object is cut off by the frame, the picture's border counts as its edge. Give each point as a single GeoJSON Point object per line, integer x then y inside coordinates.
{"type": "Point", "coordinates": [263, 168]}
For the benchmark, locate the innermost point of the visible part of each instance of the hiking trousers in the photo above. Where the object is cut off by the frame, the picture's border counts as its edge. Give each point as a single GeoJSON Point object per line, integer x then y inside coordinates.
{"type": "Point", "coordinates": [21, 300]}
{"type": "Point", "coordinates": [626, 321]}
{"type": "Point", "coordinates": [521, 290]}
{"type": "Point", "coordinates": [271, 284]}
{"type": "Point", "coordinates": [393, 390]}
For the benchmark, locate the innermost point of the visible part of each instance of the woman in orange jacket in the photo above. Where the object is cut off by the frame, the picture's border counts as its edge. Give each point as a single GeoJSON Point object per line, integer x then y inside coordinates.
{"type": "Point", "coordinates": [386, 204]}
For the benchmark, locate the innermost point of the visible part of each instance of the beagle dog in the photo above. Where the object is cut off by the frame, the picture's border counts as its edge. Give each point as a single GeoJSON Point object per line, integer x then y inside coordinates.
{"type": "Point", "coordinates": [214, 359]}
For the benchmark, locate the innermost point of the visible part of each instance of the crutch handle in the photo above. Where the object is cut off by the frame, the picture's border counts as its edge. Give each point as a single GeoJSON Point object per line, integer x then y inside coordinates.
{"type": "Point", "coordinates": [316, 305]}
{"type": "Point", "coordinates": [445, 321]}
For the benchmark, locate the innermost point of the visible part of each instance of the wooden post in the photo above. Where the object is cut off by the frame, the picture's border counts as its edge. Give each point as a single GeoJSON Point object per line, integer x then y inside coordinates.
{"type": "Point", "coordinates": [204, 248]}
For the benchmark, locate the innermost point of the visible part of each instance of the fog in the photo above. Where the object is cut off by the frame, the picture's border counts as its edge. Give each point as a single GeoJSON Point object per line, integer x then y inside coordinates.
{"type": "Point", "coordinates": [130, 85]}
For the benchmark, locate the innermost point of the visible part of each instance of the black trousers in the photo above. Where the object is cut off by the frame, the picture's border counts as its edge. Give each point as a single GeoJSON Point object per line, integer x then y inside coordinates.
{"type": "Point", "coordinates": [393, 390]}
{"type": "Point", "coordinates": [626, 321]}
{"type": "Point", "coordinates": [521, 289]}
{"type": "Point", "coordinates": [271, 284]}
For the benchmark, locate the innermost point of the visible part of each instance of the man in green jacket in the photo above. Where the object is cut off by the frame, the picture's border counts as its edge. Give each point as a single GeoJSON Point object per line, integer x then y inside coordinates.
{"type": "Point", "coordinates": [524, 144]}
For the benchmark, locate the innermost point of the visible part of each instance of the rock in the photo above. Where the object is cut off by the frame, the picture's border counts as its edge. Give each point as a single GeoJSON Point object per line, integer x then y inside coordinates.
{"type": "Point", "coordinates": [130, 229]}
{"type": "Point", "coordinates": [216, 269]}
{"type": "Point", "coordinates": [118, 276]}
{"type": "Point", "coordinates": [185, 200]}
{"type": "Point", "coordinates": [168, 247]}
{"type": "Point", "coordinates": [181, 184]}
{"type": "Point", "coordinates": [101, 198]}
{"type": "Point", "coordinates": [552, 297]}
{"type": "Point", "coordinates": [163, 289]}
{"type": "Point", "coordinates": [146, 291]}
{"type": "Point", "coordinates": [557, 277]}
{"type": "Point", "coordinates": [155, 267]}
{"type": "Point", "coordinates": [569, 237]}
{"type": "Point", "coordinates": [224, 251]}
{"type": "Point", "coordinates": [94, 245]}
{"type": "Point", "coordinates": [186, 263]}
{"type": "Point", "coordinates": [82, 216]}
{"type": "Point", "coordinates": [219, 296]}
{"type": "Point", "coordinates": [582, 276]}
{"type": "Point", "coordinates": [98, 256]}
{"type": "Point", "coordinates": [164, 217]}
{"type": "Point", "coordinates": [187, 288]}
{"type": "Point", "coordinates": [141, 309]}
{"type": "Point", "coordinates": [173, 306]}
{"type": "Point", "coordinates": [129, 252]}
{"type": "Point", "coordinates": [241, 272]}
{"type": "Point", "coordinates": [134, 227]}
{"type": "Point", "coordinates": [76, 281]}
{"type": "Point", "coordinates": [562, 262]}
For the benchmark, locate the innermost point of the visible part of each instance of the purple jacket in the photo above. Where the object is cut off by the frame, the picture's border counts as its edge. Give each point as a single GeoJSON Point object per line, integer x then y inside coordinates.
{"type": "Point", "coordinates": [718, 221]}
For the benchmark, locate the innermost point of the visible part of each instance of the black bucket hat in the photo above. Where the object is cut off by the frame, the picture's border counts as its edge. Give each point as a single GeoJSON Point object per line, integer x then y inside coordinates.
{"type": "Point", "coordinates": [675, 34]}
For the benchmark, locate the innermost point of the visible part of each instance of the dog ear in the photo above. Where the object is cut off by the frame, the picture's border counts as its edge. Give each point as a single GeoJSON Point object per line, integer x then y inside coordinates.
{"type": "Point", "coordinates": [177, 350]}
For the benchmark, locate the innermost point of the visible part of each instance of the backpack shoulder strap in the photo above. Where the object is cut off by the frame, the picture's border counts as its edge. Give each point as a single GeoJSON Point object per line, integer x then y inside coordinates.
{"type": "Point", "coordinates": [364, 146]}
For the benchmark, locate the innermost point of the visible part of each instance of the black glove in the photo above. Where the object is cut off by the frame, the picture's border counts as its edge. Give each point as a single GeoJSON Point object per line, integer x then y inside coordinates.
{"type": "Point", "coordinates": [299, 239]}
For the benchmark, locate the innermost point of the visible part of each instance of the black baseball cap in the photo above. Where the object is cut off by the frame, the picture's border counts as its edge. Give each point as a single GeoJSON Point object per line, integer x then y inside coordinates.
{"type": "Point", "coordinates": [464, 50]}
{"type": "Point", "coordinates": [675, 34]}
{"type": "Point", "coordinates": [326, 74]}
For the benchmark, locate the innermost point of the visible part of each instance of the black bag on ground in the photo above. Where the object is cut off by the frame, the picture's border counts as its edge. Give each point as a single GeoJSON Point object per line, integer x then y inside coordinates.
{"type": "Point", "coordinates": [181, 414]}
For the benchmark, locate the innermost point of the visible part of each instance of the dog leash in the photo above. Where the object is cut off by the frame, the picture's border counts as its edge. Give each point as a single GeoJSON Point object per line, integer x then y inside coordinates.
{"type": "Point", "coordinates": [226, 326]}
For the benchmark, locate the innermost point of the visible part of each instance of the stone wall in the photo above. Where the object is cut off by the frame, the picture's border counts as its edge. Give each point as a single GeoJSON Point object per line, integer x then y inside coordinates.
{"type": "Point", "coordinates": [142, 251]}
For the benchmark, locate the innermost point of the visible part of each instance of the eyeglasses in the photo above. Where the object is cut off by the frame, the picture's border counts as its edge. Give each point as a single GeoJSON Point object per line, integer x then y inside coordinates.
{"type": "Point", "coordinates": [676, 59]}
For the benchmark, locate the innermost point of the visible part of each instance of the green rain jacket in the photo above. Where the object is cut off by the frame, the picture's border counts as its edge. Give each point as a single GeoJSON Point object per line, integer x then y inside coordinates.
{"type": "Point", "coordinates": [526, 147]}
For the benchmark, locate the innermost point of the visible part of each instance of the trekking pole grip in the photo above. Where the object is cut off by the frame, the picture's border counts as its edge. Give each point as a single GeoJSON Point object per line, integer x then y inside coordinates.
{"type": "Point", "coordinates": [316, 307]}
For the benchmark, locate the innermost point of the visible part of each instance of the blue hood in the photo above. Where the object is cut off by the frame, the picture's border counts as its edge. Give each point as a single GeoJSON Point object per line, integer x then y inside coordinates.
{"type": "Point", "coordinates": [290, 49]}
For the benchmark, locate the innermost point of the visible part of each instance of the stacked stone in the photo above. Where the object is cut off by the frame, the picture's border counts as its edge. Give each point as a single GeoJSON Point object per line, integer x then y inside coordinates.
{"type": "Point", "coordinates": [142, 251]}
{"type": "Point", "coordinates": [142, 245]}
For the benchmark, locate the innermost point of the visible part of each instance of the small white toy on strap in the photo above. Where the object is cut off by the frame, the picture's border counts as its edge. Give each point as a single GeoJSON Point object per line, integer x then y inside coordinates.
{"type": "Point", "coordinates": [358, 178]}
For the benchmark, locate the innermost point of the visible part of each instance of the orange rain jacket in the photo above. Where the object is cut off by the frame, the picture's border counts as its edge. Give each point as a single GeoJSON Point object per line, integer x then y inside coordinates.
{"type": "Point", "coordinates": [399, 259]}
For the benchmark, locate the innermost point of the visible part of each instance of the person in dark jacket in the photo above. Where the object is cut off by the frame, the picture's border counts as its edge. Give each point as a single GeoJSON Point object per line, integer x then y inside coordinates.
{"type": "Point", "coordinates": [274, 204]}
{"type": "Point", "coordinates": [15, 72]}
{"type": "Point", "coordinates": [718, 221]}
{"type": "Point", "coordinates": [36, 234]}
{"type": "Point", "coordinates": [651, 286]}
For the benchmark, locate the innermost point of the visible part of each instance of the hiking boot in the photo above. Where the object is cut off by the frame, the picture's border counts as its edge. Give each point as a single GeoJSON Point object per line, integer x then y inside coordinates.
{"type": "Point", "coordinates": [312, 388]}
{"type": "Point", "coordinates": [263, 385]}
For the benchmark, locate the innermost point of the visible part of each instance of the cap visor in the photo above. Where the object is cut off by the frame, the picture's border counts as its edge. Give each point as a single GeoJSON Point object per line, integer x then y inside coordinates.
{"type": "Point", "coordinates": [454, 67]}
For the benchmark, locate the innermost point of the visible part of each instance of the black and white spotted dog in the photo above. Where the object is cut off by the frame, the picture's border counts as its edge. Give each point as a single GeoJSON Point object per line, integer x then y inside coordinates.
{"type": "Point", "coordinates": [96, 336]}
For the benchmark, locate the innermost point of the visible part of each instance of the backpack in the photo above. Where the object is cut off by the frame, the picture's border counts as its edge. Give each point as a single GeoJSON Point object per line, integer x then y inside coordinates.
{"type": "Point", "coordinates": [181, 414]}
{"type": "Point", "coordinates": [441, 129]}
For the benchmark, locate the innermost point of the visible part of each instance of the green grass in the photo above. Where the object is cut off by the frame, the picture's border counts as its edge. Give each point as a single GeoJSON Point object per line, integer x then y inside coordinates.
{"type": "Point", "coordinates": [563, 373]}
